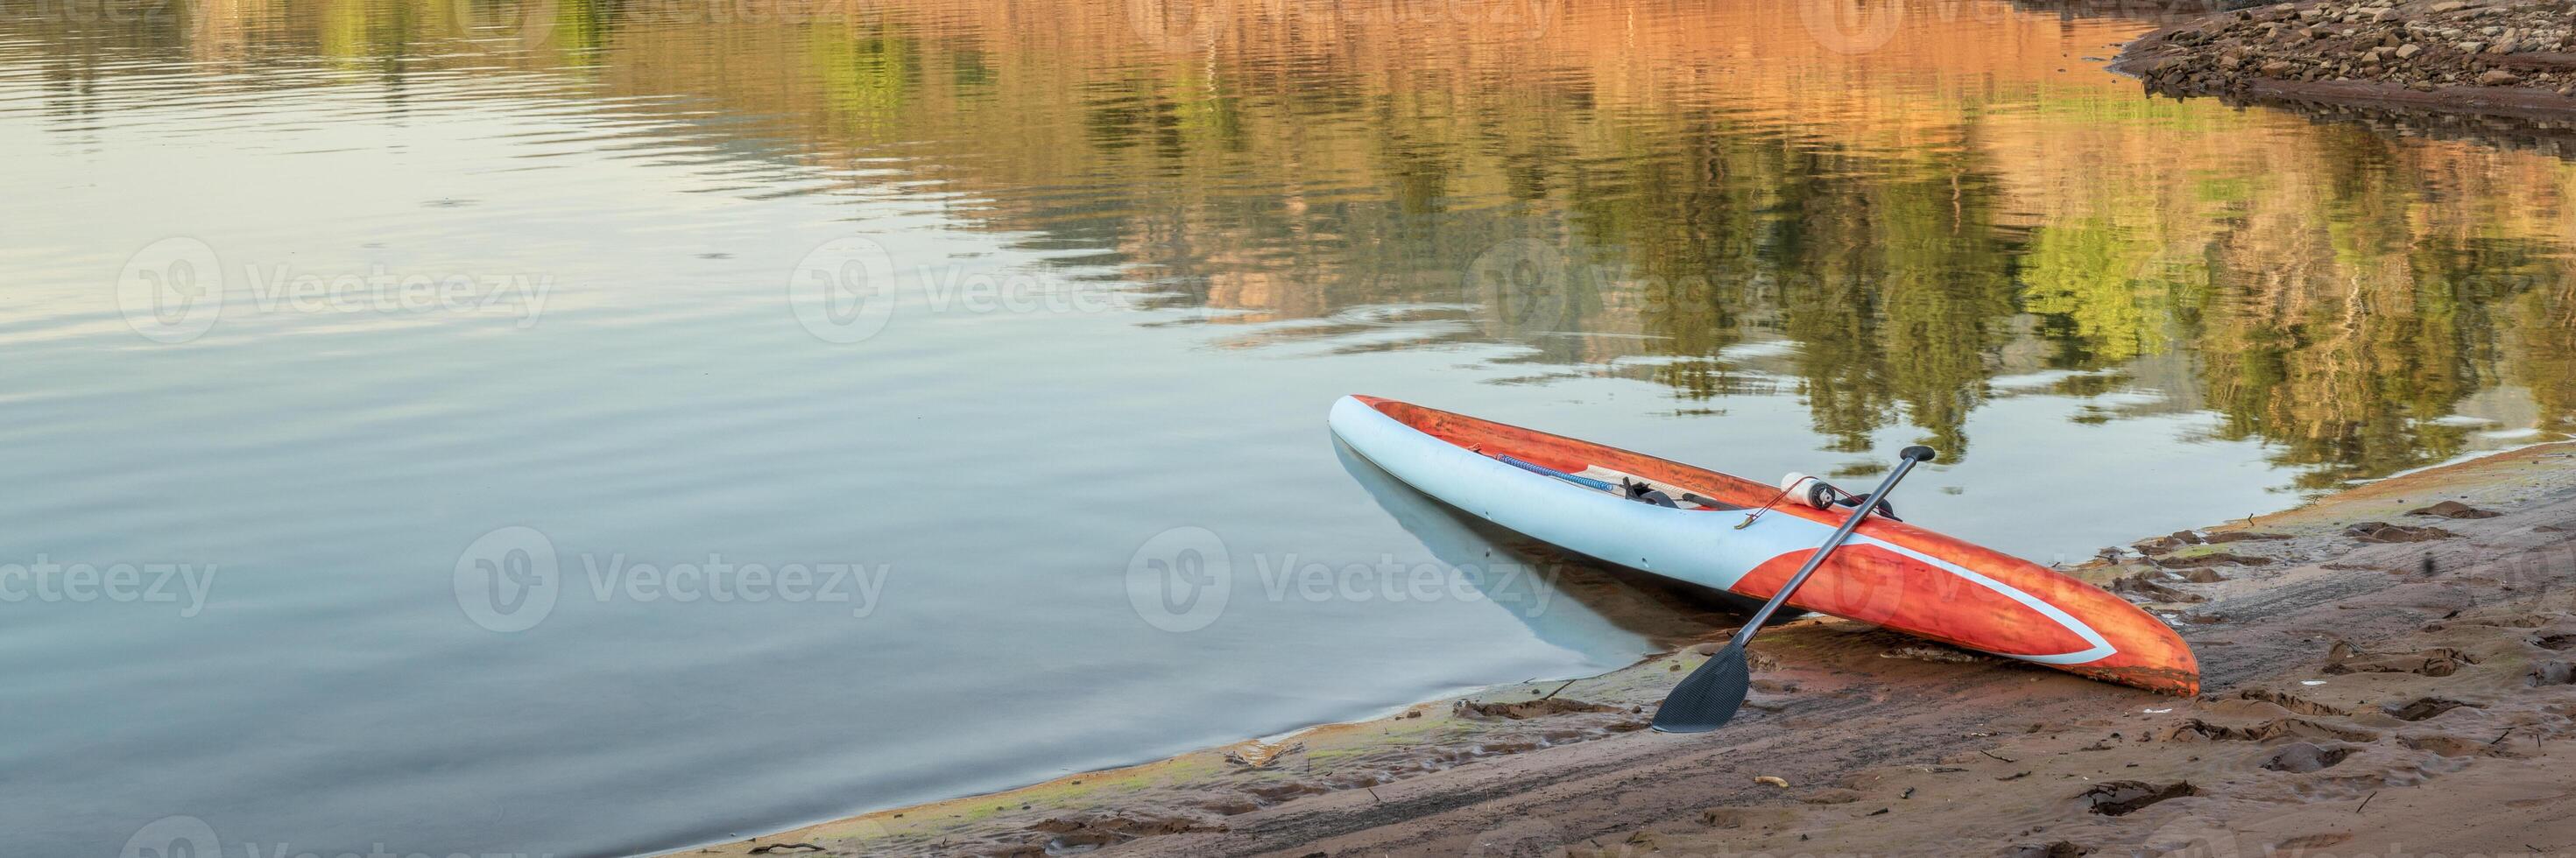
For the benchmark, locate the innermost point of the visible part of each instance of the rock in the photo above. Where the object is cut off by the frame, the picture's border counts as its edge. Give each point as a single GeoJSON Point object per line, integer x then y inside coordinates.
{"type": "Point", "coordinates": [2381, 14]}
{"type": "Point", "coordinates": [1933, 653]}
{"type": "Point", "coordinates": [2383, 532]}
{"type": "Point", "coordinates": [1523, 711]}
{"type": "Point", "coordinates": [2408, 52]}
{"type": "Point", "coordinates": [2438, 661]}
{"type": "Point", "coordinates": [2276, 68]}
{"type": "Point", "coordinates": [2215, 558]}
{"type": "Point", "coordinates": [2470, 47]}
{"type": "Point", "coordinates": [2141, 586]}
{"type": "Point", "coordinates": [2498, 77]}
{"type": "Point", "coordinates": [2423, 708]}
{"type": "Point", "coordinates": [2120, 798]}
{"type": "Point", "coordinates": [2304, 757]}
{"type": "Point", "coordinates": [2226, 536]}
{"type": "Point", "coordinates": [2446, 6]}
{"type": "Point", "coordinates": [2058, 849]}
{"type": "Point", "coordinates": [2454, 509]}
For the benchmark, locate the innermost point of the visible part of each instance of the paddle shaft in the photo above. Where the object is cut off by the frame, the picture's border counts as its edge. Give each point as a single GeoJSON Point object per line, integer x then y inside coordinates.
{"type": "Point", "coordinates": [1904, 463]}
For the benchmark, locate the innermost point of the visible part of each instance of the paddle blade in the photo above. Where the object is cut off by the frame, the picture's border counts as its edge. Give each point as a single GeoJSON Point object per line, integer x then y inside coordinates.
{"type": "Point", "coordinates": [1707, 698]}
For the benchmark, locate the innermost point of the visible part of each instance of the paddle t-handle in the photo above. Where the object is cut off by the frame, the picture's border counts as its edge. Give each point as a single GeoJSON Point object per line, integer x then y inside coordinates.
{"type": "Point", "coordinates": [1709, 697]}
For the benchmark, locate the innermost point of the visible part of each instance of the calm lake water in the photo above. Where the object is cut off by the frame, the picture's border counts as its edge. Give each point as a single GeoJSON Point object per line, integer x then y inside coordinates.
{"type": "Point", "coordinates": [437, 374]}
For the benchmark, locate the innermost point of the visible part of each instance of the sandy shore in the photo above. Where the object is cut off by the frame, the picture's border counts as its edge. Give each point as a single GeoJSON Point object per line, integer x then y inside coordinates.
{"type": "Point", "coordinates": [2369, 690]}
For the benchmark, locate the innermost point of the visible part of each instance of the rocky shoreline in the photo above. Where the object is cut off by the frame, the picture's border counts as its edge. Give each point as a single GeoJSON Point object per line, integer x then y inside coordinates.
{"type": "Point", "coordinates": [2501, 57]}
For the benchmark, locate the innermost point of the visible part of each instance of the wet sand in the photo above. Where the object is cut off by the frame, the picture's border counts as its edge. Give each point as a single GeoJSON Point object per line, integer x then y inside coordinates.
{"type": "Point", "coordinates": [2376, 681]}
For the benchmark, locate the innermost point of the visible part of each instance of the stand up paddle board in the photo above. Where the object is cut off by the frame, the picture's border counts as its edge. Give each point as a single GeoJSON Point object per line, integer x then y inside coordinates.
{"type": "Point", "coordinates": [1747, 538]}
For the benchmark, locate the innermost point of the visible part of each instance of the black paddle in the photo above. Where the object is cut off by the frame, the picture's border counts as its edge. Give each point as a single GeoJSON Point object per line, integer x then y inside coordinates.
{"type": "Point", "coordinates": [1708, 698]}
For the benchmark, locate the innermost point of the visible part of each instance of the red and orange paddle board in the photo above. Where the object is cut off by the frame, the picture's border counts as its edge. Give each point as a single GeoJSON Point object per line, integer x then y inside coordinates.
{"type": "Point", "coordinates": [1890, 573]}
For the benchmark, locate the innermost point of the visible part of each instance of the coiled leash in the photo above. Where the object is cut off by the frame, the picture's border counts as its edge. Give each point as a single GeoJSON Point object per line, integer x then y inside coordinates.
{"type": "Point", "coordinates": [1822, 496]}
